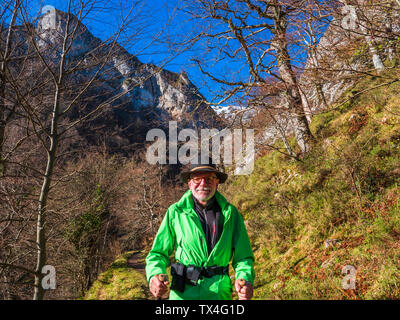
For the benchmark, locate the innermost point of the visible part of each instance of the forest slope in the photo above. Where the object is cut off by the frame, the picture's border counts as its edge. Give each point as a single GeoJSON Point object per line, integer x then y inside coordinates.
{"type": "Point", "coordinates": [338, 206]}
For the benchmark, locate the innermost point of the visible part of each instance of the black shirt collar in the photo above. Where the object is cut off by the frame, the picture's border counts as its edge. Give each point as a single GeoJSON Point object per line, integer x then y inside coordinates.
{"type": "Point", "coordinates": [209, 205]}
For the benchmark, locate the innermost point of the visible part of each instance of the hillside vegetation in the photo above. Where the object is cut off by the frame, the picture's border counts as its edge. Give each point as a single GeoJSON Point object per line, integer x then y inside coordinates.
{"type": "Point", "coordinates": [338, 206]}
{"type": "Point", "coordinates": [120, 282]}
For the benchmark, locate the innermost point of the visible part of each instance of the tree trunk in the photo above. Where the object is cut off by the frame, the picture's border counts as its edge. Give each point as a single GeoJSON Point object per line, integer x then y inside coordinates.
{"type": "Point", "coordinates": [3, 80]}
{"type": "Point", "coordinates": [321, 95]}
{"type": "Point", "coordinates": [368, 35]}
{"type": "Point", "coordinates": [292, 94]}
{"type": "Point", "coordinates": [41, 218]}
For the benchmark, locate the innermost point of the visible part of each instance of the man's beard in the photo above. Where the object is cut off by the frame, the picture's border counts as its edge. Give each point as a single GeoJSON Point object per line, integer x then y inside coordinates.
{"type": "Point", "coordinates": [203, 193]}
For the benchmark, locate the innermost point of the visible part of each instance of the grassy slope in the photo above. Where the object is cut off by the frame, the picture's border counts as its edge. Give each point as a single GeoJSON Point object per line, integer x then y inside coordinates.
{"type": "Point", "coordinates": [119, 282]}
{"type": "Point", "coordinates": [345, 189]}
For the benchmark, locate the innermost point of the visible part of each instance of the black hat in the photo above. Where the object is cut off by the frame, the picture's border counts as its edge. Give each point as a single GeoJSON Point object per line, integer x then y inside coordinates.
{"type": "Point", "coordinates": [203, 167]}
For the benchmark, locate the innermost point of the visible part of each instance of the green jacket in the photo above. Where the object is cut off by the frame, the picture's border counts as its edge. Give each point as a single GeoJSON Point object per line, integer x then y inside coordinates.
{"type": "Point", "coordinates": [181, 231]}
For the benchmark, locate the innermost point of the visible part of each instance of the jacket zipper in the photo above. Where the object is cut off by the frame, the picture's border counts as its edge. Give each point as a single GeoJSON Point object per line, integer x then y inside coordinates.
{"type": "Point", "coordinates": [223, 231]}
{"type": "Point", "coordinates": [203, 236]}
{"type": "Point", "coordinates": [201, 233]}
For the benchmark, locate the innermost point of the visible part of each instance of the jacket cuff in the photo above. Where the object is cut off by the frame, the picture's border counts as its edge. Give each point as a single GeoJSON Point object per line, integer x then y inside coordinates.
{"type": "Point", "coordinates": [153, 273]}
{"type": "Point", "coordinates": [245, 276]}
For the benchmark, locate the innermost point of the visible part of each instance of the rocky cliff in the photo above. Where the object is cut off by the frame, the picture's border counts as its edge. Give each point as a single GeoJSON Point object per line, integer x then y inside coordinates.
{"type": "Point", "coordinates": [342, 56]}
{"type": "Point", "coordinates": [136, 96]}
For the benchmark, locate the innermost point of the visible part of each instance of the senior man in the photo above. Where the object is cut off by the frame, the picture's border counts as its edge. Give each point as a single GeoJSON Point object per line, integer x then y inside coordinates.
{"type": "Point", "coordinates": [206, 232]}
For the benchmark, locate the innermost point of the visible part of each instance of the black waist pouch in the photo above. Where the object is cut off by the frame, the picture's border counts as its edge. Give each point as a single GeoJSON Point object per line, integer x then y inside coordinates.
{"type": "Point", "coordinates": [182, 274]}
{"type": "Point", "coordinates": [178, 272]}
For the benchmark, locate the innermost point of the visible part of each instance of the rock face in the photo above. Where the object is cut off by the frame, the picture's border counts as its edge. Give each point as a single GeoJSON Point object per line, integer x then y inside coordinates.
{"type": "Point", "coordinates": [346, 50]}
{"type": "Point", "coordinates": [341, 57]}
{"type": "Point", "coordinates": [322, 87]}
{"type": "Point", "coordinates": [136, 96]}
{"type": "Point", "coordinates": [147, 86]}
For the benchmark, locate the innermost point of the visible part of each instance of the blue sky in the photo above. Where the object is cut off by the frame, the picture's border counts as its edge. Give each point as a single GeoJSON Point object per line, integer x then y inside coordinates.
{"type": "Point", "coordinates": [152, 18]}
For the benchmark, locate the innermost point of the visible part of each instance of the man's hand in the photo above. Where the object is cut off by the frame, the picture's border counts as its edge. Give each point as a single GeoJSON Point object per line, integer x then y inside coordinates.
{"type": "Point", "coordinates": [244, 289]}
{"type": "Point", "coordinates": [158, 288]}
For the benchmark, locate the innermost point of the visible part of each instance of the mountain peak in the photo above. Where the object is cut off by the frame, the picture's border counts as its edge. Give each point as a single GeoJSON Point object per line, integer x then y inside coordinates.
{"type": "Point", "coordinates": [54, 19]}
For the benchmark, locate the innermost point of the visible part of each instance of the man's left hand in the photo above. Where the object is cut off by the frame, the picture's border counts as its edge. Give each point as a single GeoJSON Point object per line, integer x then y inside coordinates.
{"type": "Point", "coordinates": [245, 292]}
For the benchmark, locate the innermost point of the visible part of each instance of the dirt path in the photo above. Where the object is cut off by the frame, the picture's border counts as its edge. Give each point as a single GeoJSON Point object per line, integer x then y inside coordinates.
{"type": "Point", "coordinates": [137, 261]}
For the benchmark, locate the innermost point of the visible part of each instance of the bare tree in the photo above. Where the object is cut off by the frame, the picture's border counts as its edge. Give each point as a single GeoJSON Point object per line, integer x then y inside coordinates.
{"type": "Point", "coordinates": [346, 41]}
{"type": "Point", "coordinates": [257, 34]}
{"type": "Point", "coordinates": [363, 16]}
{"type": "Point", "coordinates": [55, 83]}
{"type": "Point", "coordinates": [58, 69]}
{"type": "Point", "coordinates": [5, 56]}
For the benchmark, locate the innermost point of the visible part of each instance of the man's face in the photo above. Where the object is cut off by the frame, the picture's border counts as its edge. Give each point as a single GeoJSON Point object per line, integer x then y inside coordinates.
{"type": "Point", "coordinates": [203, 185]}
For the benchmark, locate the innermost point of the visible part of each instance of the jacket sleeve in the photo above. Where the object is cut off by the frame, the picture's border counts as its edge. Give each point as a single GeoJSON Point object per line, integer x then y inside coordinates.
{"type": "Point", "coordinates": [243, 257]}
{"type": "Point", "coordinates": [157, 260]}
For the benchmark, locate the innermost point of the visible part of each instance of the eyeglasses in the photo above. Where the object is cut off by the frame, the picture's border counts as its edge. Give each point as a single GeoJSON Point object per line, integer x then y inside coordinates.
{"type": "Point", "coordinates": [207, 180]}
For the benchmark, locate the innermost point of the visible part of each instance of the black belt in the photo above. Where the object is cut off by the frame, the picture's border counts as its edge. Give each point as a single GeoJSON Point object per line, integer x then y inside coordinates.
{"type": "Point", "coordinates": [191, 274]}
{"type": "Point", "coordinates": [209, 272]}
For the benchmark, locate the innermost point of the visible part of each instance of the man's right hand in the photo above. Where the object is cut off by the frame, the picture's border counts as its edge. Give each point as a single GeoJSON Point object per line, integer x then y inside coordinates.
{"type": "Point", "coordinates": [157, 287]}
